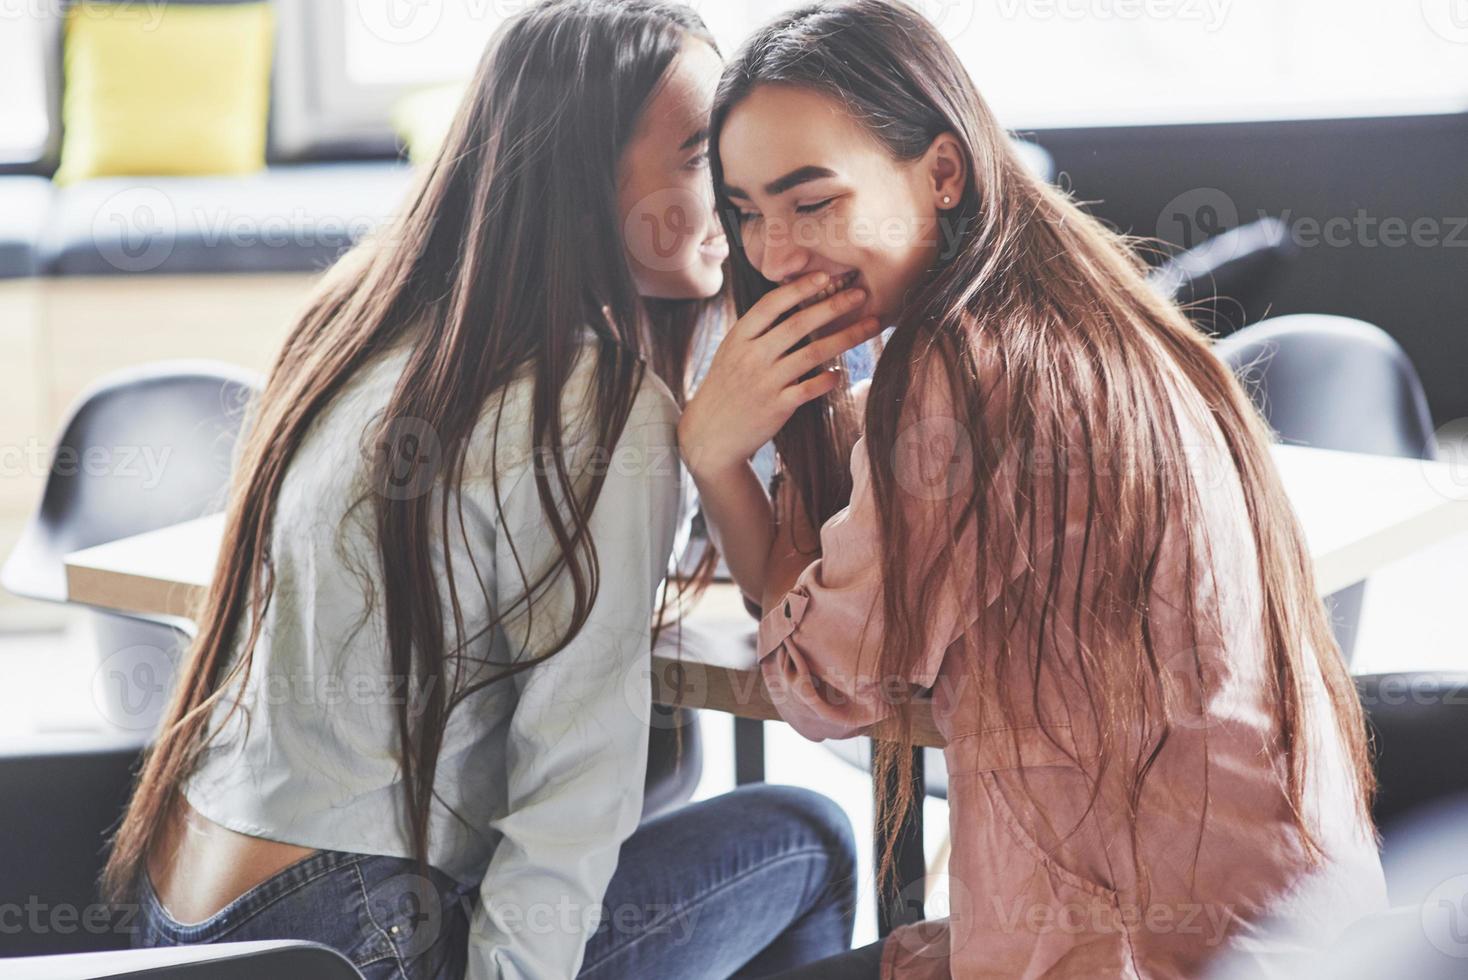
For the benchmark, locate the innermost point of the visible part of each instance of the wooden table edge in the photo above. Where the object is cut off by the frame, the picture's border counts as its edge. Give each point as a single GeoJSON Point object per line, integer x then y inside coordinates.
{"type": "Point", "coordinates": [676, 682]}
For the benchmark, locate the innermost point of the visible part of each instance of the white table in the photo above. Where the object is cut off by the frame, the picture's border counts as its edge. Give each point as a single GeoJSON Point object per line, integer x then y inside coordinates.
{"type": "Point", "coordinates": [1358, 513]}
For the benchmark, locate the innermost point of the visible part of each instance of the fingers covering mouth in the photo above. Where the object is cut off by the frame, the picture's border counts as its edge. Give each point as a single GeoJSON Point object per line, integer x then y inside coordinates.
{"type": "Point", "coordinates": [837, 283]}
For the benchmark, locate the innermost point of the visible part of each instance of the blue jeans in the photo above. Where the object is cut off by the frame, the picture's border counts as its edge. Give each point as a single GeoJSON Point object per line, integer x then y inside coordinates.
{"type": "Point", "coordinates": [747, 884]}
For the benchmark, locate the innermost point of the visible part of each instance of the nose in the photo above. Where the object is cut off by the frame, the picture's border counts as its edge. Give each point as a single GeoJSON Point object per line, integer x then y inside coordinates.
{"type": "Point", "coordinates": [777, 256]}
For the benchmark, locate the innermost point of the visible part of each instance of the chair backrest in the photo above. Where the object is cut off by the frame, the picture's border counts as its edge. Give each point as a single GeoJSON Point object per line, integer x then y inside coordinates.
{"type": "Point", "coordinates": [1223, 283]}
{"type": "Point", "coordinates": [1333, 383]}
{"type": "Point", "coordinates": [278, 960]}
{"type": "Point", "coordinates": [142, 449]}
{"type": "Point", "coordinates": [1419, 722]}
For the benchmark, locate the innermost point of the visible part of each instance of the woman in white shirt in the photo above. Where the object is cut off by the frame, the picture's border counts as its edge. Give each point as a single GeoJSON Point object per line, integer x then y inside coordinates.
{"type": "Point", "coordinates": [414, 723]}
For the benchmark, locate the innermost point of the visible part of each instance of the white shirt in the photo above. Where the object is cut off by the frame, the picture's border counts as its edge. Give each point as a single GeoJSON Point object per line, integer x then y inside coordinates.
{"type": "Point", "coordinates": [547, 767]}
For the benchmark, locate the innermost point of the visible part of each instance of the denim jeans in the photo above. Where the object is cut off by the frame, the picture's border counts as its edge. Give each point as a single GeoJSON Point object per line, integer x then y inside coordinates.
{"type": "Point", "coordinates": [747, 884]}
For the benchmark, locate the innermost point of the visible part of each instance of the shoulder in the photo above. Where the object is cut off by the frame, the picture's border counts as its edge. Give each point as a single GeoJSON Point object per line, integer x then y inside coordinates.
{"type": "Point", "coordinates": [654, 404]}
{"type": "Point", "coordinates": [505, 430]}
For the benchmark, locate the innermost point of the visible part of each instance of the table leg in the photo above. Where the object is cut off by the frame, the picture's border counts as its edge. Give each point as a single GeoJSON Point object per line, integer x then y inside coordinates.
{"type": "Point", "coordinates": [910, 864]}
{"type": "Point", "coordinates": [749, 751]}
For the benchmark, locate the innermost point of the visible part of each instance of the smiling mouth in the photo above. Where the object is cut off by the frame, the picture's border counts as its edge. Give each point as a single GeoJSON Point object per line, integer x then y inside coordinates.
{"type": "Point", "coordinates": [843, 281]}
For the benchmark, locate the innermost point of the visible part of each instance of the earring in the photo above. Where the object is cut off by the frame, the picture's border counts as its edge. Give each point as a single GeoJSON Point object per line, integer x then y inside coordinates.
{"type": "Point", "coordinates": [947, 200]}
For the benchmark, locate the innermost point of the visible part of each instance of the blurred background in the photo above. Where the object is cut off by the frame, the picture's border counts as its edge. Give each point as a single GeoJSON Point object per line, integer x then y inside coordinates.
{"type": "Point", "coordinates": [175, 176]}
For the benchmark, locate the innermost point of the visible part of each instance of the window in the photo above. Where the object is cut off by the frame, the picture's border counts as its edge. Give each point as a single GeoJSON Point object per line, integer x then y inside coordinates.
{"type": "Point", "coordinates": [1040, 63]}
{"type": "Point", "coordinates": [24, 126]}
{"type": "Point", "coordinates": [409, 42]}
{"type": "Point", "coordinates": [1106, 62]}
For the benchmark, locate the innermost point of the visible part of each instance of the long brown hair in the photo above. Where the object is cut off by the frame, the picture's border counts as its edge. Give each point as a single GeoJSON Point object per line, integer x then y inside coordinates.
{"type": "Point", "coordinates": [1061, 305]}
{"type": "Point", "coordinates": [509, 245]}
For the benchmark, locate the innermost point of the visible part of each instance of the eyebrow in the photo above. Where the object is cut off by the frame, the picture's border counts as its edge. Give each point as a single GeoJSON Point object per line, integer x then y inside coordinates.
{"type": "Point", "coordinates": [796, 177]}
{"type": "Point", "coordinates": [699, 136]}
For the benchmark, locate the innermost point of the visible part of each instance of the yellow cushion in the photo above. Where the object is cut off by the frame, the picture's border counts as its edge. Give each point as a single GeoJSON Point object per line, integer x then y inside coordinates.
{"type": "Point", "coordinates": [165, 89]}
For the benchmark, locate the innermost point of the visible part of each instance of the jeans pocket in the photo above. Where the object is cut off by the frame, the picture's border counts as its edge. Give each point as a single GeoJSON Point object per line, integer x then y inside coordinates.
{"type": "Point", "coordinates": [422, 922]}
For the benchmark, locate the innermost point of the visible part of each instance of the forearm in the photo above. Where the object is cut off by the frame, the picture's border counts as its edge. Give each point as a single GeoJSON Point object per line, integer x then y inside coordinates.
{"type": "Point", "coordinates": [740, 522]}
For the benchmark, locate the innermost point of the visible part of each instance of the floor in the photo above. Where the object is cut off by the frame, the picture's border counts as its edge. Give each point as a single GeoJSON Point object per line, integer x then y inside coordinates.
{"type": "Point", "coordinates": [1409, 621]}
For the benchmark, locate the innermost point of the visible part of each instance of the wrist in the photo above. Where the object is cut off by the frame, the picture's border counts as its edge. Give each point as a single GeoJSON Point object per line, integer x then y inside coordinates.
{"type": "Point", "coordinates": [712, 469]}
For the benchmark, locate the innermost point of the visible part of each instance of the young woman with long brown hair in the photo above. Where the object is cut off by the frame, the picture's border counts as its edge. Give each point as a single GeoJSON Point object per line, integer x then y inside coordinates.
{"type": "Point", "coordinates": [414, 722]}
{"type": "Point", "coordinates": [1061, 521]}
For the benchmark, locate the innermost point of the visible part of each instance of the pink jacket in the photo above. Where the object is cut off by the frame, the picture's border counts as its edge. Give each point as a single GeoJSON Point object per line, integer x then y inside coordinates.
{"type": "Point", "coordinates": [1029, 897]}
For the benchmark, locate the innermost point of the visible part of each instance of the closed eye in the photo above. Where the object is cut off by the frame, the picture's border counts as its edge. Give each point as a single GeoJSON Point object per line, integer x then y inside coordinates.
{"type": "Point", "coordinates": [813, 208]}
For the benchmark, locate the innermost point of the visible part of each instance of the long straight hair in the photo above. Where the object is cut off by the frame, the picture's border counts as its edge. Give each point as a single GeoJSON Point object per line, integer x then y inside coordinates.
{"type": "Point", "coordinates": [508, 246]}
{"type": "Point", "coordinates": [1062, 305]}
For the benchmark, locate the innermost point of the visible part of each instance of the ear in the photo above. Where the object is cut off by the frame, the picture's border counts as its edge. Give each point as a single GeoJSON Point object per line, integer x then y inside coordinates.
{"type": "Point", "coordinates": [946, 170]}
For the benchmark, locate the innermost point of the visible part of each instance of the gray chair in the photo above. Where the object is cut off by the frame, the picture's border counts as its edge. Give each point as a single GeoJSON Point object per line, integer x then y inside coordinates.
{"type": "Point", "coordinates": [278, 960]}
{"type": "Point", "coordinates": [1334, 383]}
{"type": "Point", "coordinates": [1419, 730]}
{"type": "Point", "coordinates": [59, 795]}
{"type": "Point", "coordinates": [1224, 283]}
{"type": "Point", "coordinates": [142, 449]}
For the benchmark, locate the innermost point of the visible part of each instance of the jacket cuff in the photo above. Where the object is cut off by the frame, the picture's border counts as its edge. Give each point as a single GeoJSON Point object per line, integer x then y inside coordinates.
{"type": "Point", "coordinates": [781, 620]}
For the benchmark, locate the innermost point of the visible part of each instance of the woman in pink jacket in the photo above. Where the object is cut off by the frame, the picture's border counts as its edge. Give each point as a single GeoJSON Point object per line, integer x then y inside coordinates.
{"type": "Point", "coordinates": [1061, 521]}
